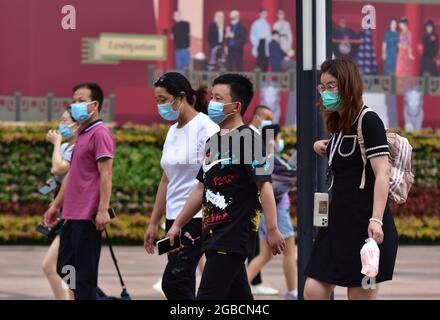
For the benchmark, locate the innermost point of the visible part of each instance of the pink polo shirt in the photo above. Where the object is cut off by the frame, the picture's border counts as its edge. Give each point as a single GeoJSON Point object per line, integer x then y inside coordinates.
{"type": "Point", "coordinates": [81, 197]}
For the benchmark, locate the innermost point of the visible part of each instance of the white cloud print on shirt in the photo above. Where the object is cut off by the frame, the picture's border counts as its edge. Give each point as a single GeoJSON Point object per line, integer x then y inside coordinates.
{"type": "Point", "coordinates": [216, 199]}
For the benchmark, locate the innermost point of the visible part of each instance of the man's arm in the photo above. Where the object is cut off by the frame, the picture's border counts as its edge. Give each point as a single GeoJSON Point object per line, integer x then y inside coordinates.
{"type": "Point", "coordinates": [105, 167]}
{"type": "Point", "coordinates": [158, 211]}
{"type": "Point", "coordinates": [50, 216]}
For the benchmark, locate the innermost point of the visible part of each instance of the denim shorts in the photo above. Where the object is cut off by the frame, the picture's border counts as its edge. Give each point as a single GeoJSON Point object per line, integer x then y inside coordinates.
{"type": "Point", "coordinates": [284, 223]}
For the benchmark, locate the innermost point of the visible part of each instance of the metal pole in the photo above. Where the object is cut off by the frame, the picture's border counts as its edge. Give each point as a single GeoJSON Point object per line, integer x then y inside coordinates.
{"type": "Point", "coordinates": [49, 106]}
{"type": "Point", "coordinates": [306, 122]}
{"type": "Point", "coordinates": [17, 106]}
{"type": "Point", "coordinates": [313, 47]}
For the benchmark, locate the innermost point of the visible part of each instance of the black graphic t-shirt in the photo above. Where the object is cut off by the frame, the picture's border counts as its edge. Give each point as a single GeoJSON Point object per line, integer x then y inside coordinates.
{"type": "Point", "coordinates": [231, 208]}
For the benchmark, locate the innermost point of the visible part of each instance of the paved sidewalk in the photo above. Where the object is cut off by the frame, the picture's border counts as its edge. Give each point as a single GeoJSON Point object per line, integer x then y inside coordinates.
{"type": "Point", "coordinates": [417, 274]}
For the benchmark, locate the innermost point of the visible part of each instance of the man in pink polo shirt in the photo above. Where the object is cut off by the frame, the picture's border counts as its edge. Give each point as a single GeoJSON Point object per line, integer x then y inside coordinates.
{"type": "Point", "coordinates": [85, 194]}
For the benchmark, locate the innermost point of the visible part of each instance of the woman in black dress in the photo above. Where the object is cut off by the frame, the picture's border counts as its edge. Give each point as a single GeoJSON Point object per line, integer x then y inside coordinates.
{"type": "Point", "coordinates": [430, 50]}
{"type": "Point", "coordinates": [354, 214]}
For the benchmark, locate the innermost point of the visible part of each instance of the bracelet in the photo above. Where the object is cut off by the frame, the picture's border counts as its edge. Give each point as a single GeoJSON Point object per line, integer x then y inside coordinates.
{"type": "Point", "coordinates": [377, 220]}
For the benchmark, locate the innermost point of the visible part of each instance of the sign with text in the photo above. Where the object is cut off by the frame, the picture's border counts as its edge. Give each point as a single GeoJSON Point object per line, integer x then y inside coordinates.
{"type": "Point", "coordinates": [132, 46]}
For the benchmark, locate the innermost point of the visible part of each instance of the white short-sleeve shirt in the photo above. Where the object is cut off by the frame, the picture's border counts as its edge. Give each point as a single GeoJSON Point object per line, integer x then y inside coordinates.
{"type": "Point", "coordinates": [182, 156]}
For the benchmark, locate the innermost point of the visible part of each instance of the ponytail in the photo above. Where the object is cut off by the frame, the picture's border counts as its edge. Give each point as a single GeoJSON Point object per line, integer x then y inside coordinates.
{"type": "Point", "coordinates": [201, 105]}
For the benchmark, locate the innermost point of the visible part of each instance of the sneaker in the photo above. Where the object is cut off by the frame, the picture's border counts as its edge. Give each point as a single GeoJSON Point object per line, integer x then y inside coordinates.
{"type": "Point", "coordinates": [291, 296]}
{"type": "Point", "coordinates": [158, 287]}
{"type": "Point", "coordinates": [263, 290]}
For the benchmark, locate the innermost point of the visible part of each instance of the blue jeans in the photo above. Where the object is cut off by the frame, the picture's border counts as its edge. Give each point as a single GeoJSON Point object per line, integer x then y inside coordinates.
{"type": "Point", "coordinates": [182, 57]}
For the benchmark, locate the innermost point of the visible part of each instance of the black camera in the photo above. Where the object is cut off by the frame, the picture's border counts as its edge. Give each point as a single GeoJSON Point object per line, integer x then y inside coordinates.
{"type": "Point", "coordinates": [50, 232]}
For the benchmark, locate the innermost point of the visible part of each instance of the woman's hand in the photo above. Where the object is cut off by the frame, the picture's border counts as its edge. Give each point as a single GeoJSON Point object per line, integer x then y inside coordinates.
{"type": "Point", "coordinates": [320, 147]}
{"type": "Point", "coordinates": [54, 137]}
{"type": "Point", "coordinates": [149, 237]}
{"type": "Point", "coordinates": [375, 232]}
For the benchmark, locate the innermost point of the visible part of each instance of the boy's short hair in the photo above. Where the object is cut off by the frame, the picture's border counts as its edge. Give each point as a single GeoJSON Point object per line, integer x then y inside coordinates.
{"type": "Point", "coordinates": [242, 89]}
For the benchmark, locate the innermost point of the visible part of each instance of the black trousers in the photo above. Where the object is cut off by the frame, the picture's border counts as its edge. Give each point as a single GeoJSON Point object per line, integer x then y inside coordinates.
{"type": "Point", "coordinates": [78, 257]}
{"type": "Point", "coordinates": [255, 251]}
{"type": "Point", "coordinates": [179, 277]}
{"type": "Point", "coordinates": [224, 278]}
{"type": "Point", "coordinates": [234, 60]}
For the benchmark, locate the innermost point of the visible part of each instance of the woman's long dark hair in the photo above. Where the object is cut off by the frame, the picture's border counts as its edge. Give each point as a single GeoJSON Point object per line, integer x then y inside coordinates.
{"type": "Point", "coordinates": [177, 85]}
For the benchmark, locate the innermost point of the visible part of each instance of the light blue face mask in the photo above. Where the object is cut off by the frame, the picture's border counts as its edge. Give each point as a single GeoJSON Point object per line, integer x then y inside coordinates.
{"type": "Point", "coordinates": [66, 131]}
{"type": "Point", "coordinates": [265, 123]}
{"type": "Point", "coordinates": [216, 111]}
{"type": "Point", "coordinates": [280, 146]}
{"type": "Point", "coordinates": [167, 112]}
{"type": "Point", "coordinates": [79, 111]}
{"type": "Point", "coordinates": [332, 101]}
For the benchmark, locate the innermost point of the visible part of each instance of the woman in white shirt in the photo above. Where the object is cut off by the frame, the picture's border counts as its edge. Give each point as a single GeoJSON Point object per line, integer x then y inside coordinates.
{"type": "Point", "coordinates": [182, 156]}
{"type": "Point", "coordinates": [61, 157]}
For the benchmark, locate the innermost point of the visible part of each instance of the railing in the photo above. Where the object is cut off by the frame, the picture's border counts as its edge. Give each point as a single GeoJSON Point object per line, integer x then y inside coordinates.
{"type": "Point", "coordinates": [287, 81]}
{"type": "Point", "coordinates": [48, 108]}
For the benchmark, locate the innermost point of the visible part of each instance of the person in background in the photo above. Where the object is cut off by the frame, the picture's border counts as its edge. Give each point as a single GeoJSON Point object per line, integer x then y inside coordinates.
{"type": "Point", "coordinates": [85, 194]}
{"type": "Point", "coordinates": [216, 36]}
{"type": "Point", "coordinates": [260, 37]}
{"type": "Point", "coordinates": [235, 41]}
{"type": "Point", "coordinates": [282, 179]}
{"type": "Point", "coordinates": [389, 48]}
{"type": "Point", "coordinates": [181, 36]}
{"type": "Point", "coordinates": [262, 117]}
{"type": "Point", "coordinates": [285, 31]}
{"type": "Point", "coordinates": [61, 157]}
{"type": "Point", "coordinates": [345, 40]}
{"type": "Point", "coordinates": [430, 50]}
{"type": "Point", "coordinates": [405, 57]}
{"type": "Point", "coordinates": [181, 159]}
{"type": "Point", "coordinates": [277, 55]}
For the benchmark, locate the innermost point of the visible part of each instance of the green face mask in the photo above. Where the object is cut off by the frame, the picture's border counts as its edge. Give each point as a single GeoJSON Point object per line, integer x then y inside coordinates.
{"type": "Point", "coordinates": [332, 101]}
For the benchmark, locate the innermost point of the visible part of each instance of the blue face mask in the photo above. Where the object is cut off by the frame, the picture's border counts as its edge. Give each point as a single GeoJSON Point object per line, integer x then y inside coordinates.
{"type": "Point", "coordinates": [66, 131]}
{"type": "Point", "coordinates": [167, 112]}
{"type": "Point", "coordinates": [265, 123]}
{"type": "Point", "coordinates": [216, 111]}
{"type": "Point", "coordinates": [332, 101]}
{"type": "Point", "coordinates": [79, 111]}
{"type": "Point", "coordinates": [280, 146]}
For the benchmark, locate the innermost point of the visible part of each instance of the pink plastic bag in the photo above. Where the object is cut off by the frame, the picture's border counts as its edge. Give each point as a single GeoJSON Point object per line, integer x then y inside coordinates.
{"type": "Point", "coordinates": [370, 254]}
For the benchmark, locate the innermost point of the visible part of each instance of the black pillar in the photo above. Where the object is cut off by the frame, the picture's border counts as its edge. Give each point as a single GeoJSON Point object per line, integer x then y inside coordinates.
{"type": "Point", "coordinates": [311, 170]}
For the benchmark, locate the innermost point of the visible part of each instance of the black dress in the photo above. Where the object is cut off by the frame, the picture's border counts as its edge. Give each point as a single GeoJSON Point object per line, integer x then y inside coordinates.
{"type": "Point", "coordinates": [335, 257]}
{"type": "Point", "coordinates": [428, 64]}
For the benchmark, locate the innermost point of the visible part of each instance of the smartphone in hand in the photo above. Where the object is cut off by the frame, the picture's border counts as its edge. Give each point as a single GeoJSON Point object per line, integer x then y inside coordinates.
{"type": "Point", "coordinates": [164, 246]}
{"type": "Point", "coordinates": [48, 187]}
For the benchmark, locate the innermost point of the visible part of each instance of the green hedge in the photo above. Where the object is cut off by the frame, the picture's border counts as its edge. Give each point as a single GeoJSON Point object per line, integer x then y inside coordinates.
{"type": "Point", "coordinates": [129, 229]}
{"type": "Point", "coordinates": [25, 164]}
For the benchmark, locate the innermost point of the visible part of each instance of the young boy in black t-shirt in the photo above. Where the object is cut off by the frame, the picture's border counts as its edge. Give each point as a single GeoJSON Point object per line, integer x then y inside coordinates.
{"type": "Point", "coordinates": [234, 178]}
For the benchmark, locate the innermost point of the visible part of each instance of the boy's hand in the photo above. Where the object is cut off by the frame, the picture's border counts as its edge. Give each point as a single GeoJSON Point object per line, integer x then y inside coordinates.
{"type": "Point", "coordinates": [275, 241]}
